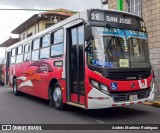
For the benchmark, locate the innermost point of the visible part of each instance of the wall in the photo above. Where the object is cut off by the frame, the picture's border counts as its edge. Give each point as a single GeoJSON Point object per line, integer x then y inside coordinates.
{"type": "Point", "coordinates": [112, 4]}
{"type": "Point", "coordinates": [151, 15]}
{"type": "Point", "coordinates": [35, 28]}
{"type": "Point", "coordinates": [43, 23]}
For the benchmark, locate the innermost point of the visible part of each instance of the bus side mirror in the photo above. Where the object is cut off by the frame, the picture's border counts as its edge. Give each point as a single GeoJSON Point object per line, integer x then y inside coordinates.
{"type": "Point", "coordinates": [88, 33]}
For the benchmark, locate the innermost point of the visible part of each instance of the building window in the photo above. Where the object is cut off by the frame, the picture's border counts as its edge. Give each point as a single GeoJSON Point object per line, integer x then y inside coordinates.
{"type": "Point", "coordinates": [47, 25]}
{"type": "Point", "coordinates": [30, 34]}
{"type": "Point", "coordinates": [135, 7]}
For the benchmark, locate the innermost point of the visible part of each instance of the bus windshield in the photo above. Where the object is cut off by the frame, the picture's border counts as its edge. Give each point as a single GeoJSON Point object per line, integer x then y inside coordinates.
{"type": "Point", "coordinates": [118, 48]}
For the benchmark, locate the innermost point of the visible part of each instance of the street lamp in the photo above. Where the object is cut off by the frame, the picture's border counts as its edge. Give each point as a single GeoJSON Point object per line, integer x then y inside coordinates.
{"type": "Point", "coordinates": [104, 2]}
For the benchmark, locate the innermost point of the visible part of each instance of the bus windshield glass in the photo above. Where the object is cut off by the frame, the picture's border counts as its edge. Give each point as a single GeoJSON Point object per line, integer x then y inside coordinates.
{"type": "Point", "coordinates": [118, 48]}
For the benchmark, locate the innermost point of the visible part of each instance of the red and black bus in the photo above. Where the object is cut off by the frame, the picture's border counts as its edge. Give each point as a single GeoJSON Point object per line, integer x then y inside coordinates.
{"type": "Point", "coordinates": [94, 59]}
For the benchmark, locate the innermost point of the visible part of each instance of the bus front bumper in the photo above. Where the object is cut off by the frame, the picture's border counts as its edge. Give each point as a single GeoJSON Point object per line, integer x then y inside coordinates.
{"type": "Point", "coordinates": [98, 100]}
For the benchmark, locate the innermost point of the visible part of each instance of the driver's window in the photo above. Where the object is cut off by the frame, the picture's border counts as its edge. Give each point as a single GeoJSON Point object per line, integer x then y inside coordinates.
{"type": "Point", "coordinates": [136, 49]}
{"type": "Point", "coordinates": [114, 49]}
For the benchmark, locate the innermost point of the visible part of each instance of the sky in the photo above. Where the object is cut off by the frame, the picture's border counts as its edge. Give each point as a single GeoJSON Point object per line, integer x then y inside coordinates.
{"type": "Point", "coordinates": [9, 20]}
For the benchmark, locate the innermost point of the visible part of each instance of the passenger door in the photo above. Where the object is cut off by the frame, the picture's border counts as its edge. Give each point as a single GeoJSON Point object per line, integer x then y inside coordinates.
{"type": "Point", "coordinates": [75, 64]}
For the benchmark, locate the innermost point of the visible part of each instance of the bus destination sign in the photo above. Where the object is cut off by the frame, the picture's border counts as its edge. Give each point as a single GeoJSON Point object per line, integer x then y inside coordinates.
{"type": "Point", "coordinates": [116, 18]}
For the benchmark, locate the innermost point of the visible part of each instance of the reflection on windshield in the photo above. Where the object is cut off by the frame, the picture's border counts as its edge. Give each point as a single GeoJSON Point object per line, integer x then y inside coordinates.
{"type": "Point", "coordinates": [137, 49]}
{"type": "Point", "coordinates": [113, 50]}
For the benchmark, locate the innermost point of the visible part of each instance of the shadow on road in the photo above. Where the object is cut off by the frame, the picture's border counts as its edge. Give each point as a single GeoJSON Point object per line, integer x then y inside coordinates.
{"type": "Point", "coordinates": [109, 113]}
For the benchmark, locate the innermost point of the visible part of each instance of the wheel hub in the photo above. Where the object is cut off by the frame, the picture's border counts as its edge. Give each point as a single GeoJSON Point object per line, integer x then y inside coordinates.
{"type": "Point", "coordinates": [57, 95]}
{"type": "Point", "coordinates": [15, 87]}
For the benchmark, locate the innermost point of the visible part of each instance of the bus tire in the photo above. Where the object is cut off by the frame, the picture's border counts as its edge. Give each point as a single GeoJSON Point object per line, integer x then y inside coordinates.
{"type": "Point", "coordinates": [57, 97]}
{"type": "Point", "coordinates": [15, 91]}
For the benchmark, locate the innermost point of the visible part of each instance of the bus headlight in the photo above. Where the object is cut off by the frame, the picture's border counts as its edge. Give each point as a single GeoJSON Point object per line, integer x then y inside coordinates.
{"type": "Point", "coordinates": [94, 83]}
{"type": "Point", "coordinates": [99, 86]}
{"type": "Point", "coordinates": [103, 87]}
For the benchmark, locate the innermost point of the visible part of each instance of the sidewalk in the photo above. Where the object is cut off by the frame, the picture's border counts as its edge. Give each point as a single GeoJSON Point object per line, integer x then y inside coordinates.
{"type": "Point", "coordinates": [155, 103]}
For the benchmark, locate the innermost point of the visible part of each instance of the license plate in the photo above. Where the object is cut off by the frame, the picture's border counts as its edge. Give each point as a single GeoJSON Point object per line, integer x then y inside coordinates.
{"type": "Point", "coordinates": [133, 98]}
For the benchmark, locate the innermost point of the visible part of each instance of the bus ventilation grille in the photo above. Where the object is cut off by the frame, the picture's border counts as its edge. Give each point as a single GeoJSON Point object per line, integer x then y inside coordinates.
{"type": "Point", "coordinates": [120, 97]}
{"type": "Point", "coordinates": [128, 75]}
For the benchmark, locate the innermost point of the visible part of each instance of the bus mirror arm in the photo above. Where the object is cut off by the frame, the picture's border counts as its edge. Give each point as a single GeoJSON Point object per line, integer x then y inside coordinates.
{"type": "Point", "coordinates": [87, 45]}
{"type": "Point", "coordinates": [88, 33]}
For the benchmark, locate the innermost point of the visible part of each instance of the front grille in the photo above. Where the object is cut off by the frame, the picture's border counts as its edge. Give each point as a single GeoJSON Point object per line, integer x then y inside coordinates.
{"type": "Point", "coordinates": [143, 95]}
{"type": "Point", "coordinates": [128, 75]}
{"type": "Point", "coordinates": [124, 96]}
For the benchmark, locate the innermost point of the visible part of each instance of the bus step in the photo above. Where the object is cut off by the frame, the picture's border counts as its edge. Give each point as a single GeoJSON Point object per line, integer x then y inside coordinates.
{"type": "Point", "coordinates": [75, 104]}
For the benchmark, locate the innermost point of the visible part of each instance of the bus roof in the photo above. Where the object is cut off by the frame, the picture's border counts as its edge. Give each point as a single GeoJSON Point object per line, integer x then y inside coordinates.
{"type": "Point", "coordinates": [82, 15]}
{"type": "Point", "coordinates": [111, 10]}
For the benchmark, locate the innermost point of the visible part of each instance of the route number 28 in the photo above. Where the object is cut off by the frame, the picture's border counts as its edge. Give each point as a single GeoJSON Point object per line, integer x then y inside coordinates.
{"type": "Point", "coordinates": [95, 16]}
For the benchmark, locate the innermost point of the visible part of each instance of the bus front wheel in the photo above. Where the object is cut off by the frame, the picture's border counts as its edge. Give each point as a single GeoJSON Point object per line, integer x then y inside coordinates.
{"type": "Point", "coordinates": [56, 98]}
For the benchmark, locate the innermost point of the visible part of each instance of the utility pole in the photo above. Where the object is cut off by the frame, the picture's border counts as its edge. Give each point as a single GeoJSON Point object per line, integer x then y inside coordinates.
{"type": "Point", "coordinates": [120, 5]}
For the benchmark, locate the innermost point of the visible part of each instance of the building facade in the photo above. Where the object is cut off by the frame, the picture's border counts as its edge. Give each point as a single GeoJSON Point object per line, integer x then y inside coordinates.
{"type": "Point", "coordinates": [39, 22]}
{"type": "Point", "coordinates": [150, 11]}
{"type": "Point", "coordinates": [36, 24]}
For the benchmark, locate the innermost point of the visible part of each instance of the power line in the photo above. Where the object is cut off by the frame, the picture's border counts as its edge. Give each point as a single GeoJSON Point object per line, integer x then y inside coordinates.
{"type": "Point", "coordinates": [13, 9]}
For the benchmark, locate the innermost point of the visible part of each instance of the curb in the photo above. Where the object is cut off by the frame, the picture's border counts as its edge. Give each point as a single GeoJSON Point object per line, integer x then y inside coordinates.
{"type": "Point", "coordinates": [156, 103]}
{"type": "Point", "coordinates": [148, 103]}
{"type": "Point", "coordinates": [152, 103]}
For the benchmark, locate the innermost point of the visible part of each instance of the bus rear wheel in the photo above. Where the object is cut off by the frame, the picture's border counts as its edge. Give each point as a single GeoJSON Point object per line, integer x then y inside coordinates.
{"type": "Point", "coordinates": [56, 97]}
{"type": "Point", "coordinates": [15, 91]}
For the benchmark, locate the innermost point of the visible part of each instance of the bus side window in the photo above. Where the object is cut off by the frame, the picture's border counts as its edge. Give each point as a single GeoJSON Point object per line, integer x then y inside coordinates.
{"type": "Point", "coordinates": [13, 54]}
{"type": "Point", "coordinates": [45, 47]}
{"type": "Point", "coordinates": [27, 52]}
{"type": "Point", "coordinates": [35, 49]}
{"type": "Point", "coordinates": [57, 43]}
{"type": "Point", "coordinates": [19, 54]}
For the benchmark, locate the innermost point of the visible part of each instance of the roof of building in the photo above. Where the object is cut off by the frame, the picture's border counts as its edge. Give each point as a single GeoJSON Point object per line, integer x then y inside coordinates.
{"type": "Point", "coordinates": [62, 13]}
{"type": "Point", "coordinates": [9, 42]}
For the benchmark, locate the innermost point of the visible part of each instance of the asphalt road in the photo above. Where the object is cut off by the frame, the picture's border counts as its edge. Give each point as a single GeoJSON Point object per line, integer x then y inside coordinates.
{"type": "Point", "coordinates": [26, 109]}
